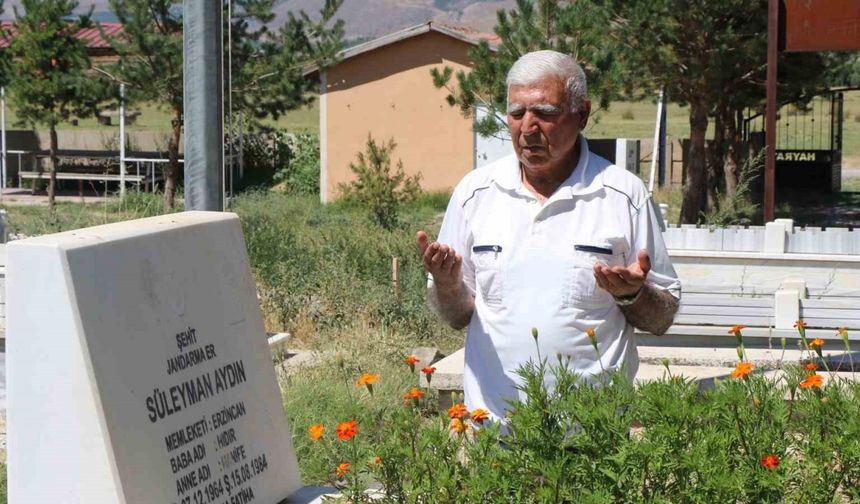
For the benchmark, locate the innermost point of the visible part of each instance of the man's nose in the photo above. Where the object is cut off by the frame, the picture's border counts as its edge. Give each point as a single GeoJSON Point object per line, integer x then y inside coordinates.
{"type": "Point", "coordinates": [530, 124]}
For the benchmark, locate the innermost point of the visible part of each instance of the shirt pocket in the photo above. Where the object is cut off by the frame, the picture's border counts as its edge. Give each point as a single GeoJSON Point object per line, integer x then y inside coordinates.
{"type": "Point", "coordinates": [487, 260]}
{"type": "Point", "coordinates": [582, 289]}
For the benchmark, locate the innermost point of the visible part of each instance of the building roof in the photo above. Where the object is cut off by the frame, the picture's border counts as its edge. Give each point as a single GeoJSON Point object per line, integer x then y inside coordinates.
{"type": "Point", "coordinates": [91, 37]}
{"type": "Point", "coordinates": [464, 33]}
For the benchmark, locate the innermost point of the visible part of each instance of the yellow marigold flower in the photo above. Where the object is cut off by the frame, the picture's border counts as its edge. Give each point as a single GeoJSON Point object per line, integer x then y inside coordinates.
{"type": "Point", "coordinates": [315, 432]}
{"type": "Point", "coordinates": [480, 415]}
{"type": "Point", "coordinates": [812, 381]}
{"type": "Point", "coordinates": [342, 469]}
{"type": "Point", "coordinates": [743, 369]}
{"type": "Point", "coordinates": [458, 411]}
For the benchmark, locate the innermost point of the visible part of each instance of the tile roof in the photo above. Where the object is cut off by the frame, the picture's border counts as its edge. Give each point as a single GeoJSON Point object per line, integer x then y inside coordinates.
{"type": "Point", "coordinates": [91, 37]}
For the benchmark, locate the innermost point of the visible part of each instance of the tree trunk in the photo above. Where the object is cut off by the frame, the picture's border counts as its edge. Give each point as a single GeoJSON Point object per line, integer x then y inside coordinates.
{"type": "Point", "coordinates": [55, 163]}
{"type": "Point", "coordinates": [172, 170]}
{"type": "Point", "coordinates": [715, 160]}
{"type": "Point", "coordinates": [733, 157]}
{"type": "Point", "coordinates": [694, 186]}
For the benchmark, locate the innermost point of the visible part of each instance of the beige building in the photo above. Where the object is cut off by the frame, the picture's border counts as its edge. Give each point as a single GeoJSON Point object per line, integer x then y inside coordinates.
{"type": "Point", "coordinates": [383, 89]}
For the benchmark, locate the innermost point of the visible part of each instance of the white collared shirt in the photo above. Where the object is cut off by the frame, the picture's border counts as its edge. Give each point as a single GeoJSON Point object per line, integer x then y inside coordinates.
{"type": "Point", "coordinates": [531, 265]}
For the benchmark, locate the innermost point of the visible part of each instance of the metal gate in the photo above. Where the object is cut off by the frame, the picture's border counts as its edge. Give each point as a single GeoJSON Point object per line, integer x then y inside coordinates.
{"type": "Point", "coordinates": [808, 143]}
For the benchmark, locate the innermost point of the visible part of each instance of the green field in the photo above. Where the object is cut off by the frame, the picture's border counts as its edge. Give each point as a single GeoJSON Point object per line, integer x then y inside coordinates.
{"type": "Point", "coordinates": [620, 120]}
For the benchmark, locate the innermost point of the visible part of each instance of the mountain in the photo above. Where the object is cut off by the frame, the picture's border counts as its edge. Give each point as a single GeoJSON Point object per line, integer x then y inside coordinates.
{"type": "Point", "coordinates": [374, 18]}
{"type": "Point", "coordinates": [365, 19]}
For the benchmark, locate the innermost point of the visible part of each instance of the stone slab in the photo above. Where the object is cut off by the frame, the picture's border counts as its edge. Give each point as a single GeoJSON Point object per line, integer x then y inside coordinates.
{"type": "Point", "coordinates": [136, 369]}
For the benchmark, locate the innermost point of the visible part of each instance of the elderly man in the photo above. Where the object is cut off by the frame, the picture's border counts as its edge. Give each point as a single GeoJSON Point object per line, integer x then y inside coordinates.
{"type": "Point", "coordinates": [554, 237]}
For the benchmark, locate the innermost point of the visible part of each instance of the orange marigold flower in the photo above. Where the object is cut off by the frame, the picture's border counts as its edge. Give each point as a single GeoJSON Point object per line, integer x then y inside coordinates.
{"type": "Point", "coordinates": [812, 381]}
{"type": "Point", "coordinates": [458, 411]}
{"type": "Point", "coordinates": [800, 324]}
{"type": "Point", "coordinates": [480, 415]}
{"type": "Point", "coordinates": [315, 432]}
{"type": "Point", "coordinates": [817, 342]}
{"type": "Point", "coordinates": [428, 373]}
{"type": "Point", "coordinates": [811, 367]}
{"type": "Point", "coordinates": [413, 396]}
{"type": "Point", "coordinates": [591, 334]}
{"type": "Point", "coordinates": [346, 430]}
{"type": "Point", "coordinates": [342, 469]}
{"type": "Point", "coordinates": [743, 369]}
{"type": "Point", "coordinates": [457, 425]}
{"type": "Point", "coordinates": [367, 379]}
{"type": "Point", "coordinates": [414, 393]}
{"type": "Point", "coordinates": [737, 329]}
{"type": "Point", "coordinates": [377, 460]}
{"type": "Point", "coordinates": [411, 360]}
{"type": "Point", "coordinates": [770, 462]}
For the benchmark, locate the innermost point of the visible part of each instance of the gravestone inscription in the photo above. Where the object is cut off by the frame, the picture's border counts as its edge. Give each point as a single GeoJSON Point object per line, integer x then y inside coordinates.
{"type": "Point", "coordinates": [138, 369]}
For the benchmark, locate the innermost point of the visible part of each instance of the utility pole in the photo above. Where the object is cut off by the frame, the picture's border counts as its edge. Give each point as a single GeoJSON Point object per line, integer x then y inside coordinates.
{"type": "Point", "coordinates": [770, 121]}
{"type": "Point", "coordinates": [122, 142]}
{"type": "Point", "coordinates": [203, 105]}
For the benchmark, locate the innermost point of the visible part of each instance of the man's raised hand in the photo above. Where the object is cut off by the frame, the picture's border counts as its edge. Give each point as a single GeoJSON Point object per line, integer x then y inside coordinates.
{"type": "Point", "coordinates": [441, 261]}
{"type": "Point", "coordinates": [623, 282]}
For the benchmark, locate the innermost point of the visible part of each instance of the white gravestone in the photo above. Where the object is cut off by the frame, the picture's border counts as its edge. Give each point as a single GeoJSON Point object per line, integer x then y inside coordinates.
{"type": "Point", "coordinates": [138, 368]}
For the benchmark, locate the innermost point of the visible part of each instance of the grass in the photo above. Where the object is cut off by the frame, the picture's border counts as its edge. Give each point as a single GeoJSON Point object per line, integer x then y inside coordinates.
{"type": "Point", "coordinates": [323, 273]}
{"type": "Point", "coordinates": [155, 118]}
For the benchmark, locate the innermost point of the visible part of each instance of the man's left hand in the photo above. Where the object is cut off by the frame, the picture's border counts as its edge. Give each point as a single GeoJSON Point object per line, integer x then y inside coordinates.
{"type": "Point", "coordinates": [624, 282]}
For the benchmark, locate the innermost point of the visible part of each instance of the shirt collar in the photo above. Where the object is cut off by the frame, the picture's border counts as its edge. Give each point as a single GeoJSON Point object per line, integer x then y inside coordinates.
{"type": "Point", "coordinates": [581, 181]}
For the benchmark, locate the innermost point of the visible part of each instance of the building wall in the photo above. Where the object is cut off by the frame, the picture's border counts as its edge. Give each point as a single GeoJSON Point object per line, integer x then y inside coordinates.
{"type": "Point", "coordinates": [389, 93]}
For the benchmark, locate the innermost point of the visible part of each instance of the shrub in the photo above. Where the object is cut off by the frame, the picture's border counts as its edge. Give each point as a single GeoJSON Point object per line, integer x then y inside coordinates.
{"type": "Point", "coordinates": [376, 187]}
{"type": "Point", "coordinates": [301, 172]}
{"type": "Point", "coordinates": [604, 440]}
{"type": "Point", "coordinates": [738, 208]}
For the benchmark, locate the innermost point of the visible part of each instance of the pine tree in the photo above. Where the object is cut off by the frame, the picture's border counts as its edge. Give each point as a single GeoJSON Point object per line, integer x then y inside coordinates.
{"type": "Point", "coordinates": [575, 28]}
{"type": "Point", "coordinates": [150, 49]}
{"type": "Point", "coordinates": [710, 55]}
{"type": "Point", "coordinates": [267, 68]}
{"type": "Point", "coordinates": [52, 77]}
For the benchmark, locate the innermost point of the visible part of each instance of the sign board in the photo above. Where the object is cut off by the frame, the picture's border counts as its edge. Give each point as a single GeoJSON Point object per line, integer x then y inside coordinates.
{"type": "Point", "coordinates": [138, 369]}
{"type": "Point", "coordinates": [803, 156]}
{"type": "Point", "coordinates": [822, 25]}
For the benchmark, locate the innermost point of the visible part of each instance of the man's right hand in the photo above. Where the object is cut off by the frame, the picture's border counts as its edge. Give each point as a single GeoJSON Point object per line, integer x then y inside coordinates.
{"type": "Point", "coordinates": [441, 261]}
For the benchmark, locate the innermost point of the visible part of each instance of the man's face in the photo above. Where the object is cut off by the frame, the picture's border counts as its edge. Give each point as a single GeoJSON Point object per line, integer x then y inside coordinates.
{"type": "Point", "coordinates": [543, 128]}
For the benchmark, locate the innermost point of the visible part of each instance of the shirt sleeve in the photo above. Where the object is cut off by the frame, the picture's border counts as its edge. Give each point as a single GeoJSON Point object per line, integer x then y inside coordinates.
{"type": "Point", "coordinates": [455, 233]}
{"type": "Point", "coordinates": [647, 235]}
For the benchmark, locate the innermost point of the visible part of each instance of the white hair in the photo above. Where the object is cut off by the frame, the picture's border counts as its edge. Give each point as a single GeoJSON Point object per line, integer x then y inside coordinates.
{"type": "Point", "coordinates": [535, 66]}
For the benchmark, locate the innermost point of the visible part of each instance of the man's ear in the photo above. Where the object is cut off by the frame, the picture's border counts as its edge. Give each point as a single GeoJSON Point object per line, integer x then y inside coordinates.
{"type": "Point", "coordinates": [585, 112]}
